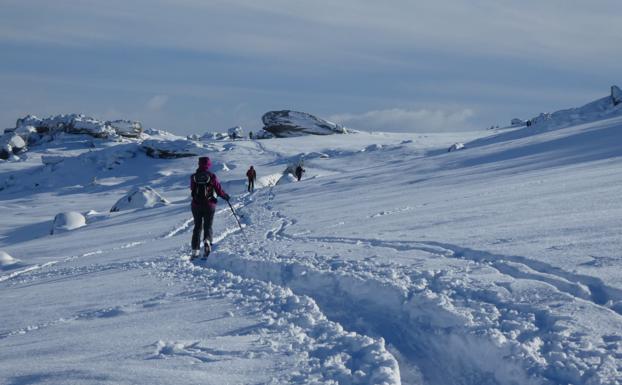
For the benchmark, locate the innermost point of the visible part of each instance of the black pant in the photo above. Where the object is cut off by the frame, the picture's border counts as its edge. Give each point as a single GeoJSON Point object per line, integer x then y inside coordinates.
{"type": "Point", "coordinates": [251, 184]}
{"type": "Point", "coordinates": [203, 219]}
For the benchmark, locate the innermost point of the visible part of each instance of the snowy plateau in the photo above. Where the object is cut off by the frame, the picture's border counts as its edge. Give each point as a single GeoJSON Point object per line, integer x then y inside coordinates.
{"type": "Point", "coordinates": [393, 260]}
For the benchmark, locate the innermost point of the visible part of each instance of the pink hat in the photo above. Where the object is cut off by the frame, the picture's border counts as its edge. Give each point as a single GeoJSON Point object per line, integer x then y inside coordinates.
{"type": "Point", "coordinates": [205, 162]}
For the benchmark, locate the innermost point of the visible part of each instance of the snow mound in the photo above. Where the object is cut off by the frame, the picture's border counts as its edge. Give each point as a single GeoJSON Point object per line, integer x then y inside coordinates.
{"type": "Point", "coordinates": [67, 221]}
{"type": "Point", "coordinates": [140, 198]}
{"type": "Point", "coordinates": [286, 123]}
{"type": "Point", "coordinates": [170, 149]}
{"type": "Point", "coordinates": [6, 259]}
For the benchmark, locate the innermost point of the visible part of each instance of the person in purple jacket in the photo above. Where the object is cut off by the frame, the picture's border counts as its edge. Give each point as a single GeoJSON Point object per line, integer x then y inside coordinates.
{"type": "Point", "coordinates": [204, 186]}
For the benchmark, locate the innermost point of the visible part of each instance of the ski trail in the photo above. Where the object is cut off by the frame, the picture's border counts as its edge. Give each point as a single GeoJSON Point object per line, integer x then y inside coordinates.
{"type": "Point", "coordinates": [26, 270]}
{"type": "Point", "coordinates": [421, 312]}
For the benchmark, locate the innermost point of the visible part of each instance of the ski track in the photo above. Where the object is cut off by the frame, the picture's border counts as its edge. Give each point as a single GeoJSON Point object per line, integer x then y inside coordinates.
{"type": "Point", "coordinates": [413, 310]}
{"type": "Point", "coordinates": [328, 351]}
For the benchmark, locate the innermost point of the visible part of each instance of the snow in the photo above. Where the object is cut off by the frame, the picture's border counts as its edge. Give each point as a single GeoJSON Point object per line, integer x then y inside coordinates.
{"type": "Point", "coordinates": [166, 149]}
{"type": "Point", "coordinates": [143, 197]}
{"type": "Point", "coordinates": [392, 261]}
{"type": "Point", "coordinates": [67, 221]}
{"type": "Point", "coordinates": [6, 260]}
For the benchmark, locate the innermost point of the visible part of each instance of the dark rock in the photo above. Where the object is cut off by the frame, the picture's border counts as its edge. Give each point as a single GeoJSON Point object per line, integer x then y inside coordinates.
{"type": "Point", "coordinates": [616, 95]}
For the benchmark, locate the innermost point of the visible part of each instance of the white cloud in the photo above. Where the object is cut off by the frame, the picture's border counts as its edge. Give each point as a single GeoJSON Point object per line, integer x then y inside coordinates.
{"type": "Point", "coordinates": [409, 120]}
{"type": "Point", "coordinates": [157, 102]}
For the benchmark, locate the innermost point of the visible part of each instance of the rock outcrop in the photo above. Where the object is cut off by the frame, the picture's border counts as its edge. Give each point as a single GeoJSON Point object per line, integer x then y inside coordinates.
{"type": "Point", "coordinates": [616, 95]}
{"type": "Point", "coordinates": [235, 132]}
{"type": "Point", "coordinates": [81, 124]}
{"type": "Point", "coordinates": [170, 149]}
{"type": "Point", "coordinates": [286, 123]}
{"type": "Point", "coordinates": [11, 144]}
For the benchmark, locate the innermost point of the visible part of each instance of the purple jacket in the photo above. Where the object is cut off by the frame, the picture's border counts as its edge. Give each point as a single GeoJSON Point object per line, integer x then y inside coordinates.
{"type": "Point", "coordinates": [215, 185]}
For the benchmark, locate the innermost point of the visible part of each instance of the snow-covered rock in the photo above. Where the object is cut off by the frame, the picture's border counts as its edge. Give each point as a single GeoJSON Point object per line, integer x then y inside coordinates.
{"type": "Point", "coordinates": [455, 147]}
{"type": "Point", "coordinates": [81, 124]}
{"type": "Point", "coordinates": [10, 144]}
{"type": "Point", "coordinates": [262, 135]}
{"type": "Point", "coordinates": [67, 221]}
{"type": "Point", "coordinates": [86, 125]}
{"type": "Point", "coordinates": [127, 128]}
{"type": "Point", "coordinates": [6, 260]}
{"type": "Point", "coordinates": [616, 95]}
{"type": "Point", "coordinates": [168, 149]}
{"type": "Point", "coordinates": [604, 108]}
{"type": "Point", "coordinates": [235, 132]}
{"type": "Point", "coordinates": [139, 198]}
{"type": "Point", "coordinates": [288, 123]}
{"type": "Point", "coordinates": [517, 122]}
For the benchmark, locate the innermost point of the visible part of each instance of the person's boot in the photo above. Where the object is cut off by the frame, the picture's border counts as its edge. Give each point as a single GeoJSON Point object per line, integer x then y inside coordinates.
{"type": "Point", "coordinates": [195, 254]}
{"type": "Point", "coordinates": [206, 250]}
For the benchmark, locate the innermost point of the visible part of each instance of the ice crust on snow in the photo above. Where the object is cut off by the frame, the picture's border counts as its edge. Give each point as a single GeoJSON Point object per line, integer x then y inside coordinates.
{"type": "Point", "coordinates": [288, 123]}
{"type": "Point", "coordinates": [143, 197]}
{"type": "Point", "coordinates": [67, 221]}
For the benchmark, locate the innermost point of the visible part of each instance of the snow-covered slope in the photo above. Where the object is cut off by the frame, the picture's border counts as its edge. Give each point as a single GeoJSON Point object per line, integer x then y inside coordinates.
{"type": "Point", "coordinates": [495, 264]}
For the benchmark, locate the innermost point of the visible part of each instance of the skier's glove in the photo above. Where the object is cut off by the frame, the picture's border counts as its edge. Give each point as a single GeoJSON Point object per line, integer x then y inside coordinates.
{"type": "Point", "coordinates": [226, 197]}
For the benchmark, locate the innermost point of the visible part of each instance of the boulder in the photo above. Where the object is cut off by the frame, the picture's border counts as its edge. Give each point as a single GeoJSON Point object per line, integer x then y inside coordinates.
{"type": "Point", "coordinates": [139, 198]}
{"type": "Point", "coordinates": [67, 221]}
{"type": "Point", "coordinates": [10, 144]}
{"type": "Point", "coordinates": [235, 132]}
{"type": "Point", "coordinates": [170, 149]}
{"type": "Point", "coordinates": [286, 123]}
{"type": "Point", "coordinates": [456, 147]}
{"type": "Point", "coordinates": [126, 128]}
{"type": "Point", "coordinates": [616, 95]}
{"type": "Point", "coordinates": [86, 125]}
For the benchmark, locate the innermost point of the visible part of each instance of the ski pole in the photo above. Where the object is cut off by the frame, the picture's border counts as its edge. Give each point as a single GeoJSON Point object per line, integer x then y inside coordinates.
{"type": "Point", "coordinates": [236, 218]}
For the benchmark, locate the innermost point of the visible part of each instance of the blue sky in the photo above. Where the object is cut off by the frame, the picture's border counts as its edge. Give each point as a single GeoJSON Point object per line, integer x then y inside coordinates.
{"type": "Point", "coordinates": [191, 66]}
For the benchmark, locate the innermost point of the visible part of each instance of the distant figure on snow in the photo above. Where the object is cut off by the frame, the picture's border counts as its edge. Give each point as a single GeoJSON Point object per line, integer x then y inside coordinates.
{"type": "Point", "coordinates": [204, 186]}
{"type": "Point", "coordinates": [299, 172]}
{"type": "Point", "coordinates": [252, 176]}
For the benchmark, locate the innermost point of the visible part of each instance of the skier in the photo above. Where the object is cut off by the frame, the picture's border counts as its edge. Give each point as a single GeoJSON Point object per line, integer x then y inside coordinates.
{"type": "Point", "coordinates": [204, 186]}
{"type": "Point", "coordinates": [252, 176]}
{"type": "Point", "coordinates": [299, 171]}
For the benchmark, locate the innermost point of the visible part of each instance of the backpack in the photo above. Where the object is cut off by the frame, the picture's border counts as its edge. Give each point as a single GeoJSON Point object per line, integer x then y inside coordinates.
{"type": "Point", "coordinates": [203, 190]}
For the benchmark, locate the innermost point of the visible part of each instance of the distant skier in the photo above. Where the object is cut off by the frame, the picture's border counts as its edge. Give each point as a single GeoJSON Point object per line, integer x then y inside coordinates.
{"type": "Point", "coordinates": [252, 176]}
{"type": "Point", "coordinates": [299, 171]}
{"type": "Point", "coordinates": [204, 186]}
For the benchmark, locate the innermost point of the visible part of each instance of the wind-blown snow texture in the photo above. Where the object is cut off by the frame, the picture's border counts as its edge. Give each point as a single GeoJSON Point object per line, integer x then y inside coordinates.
{"type": "Point", "coordinates": [392, 261]}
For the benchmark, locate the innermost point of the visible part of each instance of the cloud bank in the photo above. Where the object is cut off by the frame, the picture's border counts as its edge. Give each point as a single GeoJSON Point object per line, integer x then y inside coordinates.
{"type": "Point", "coordinates": [409, 120]}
